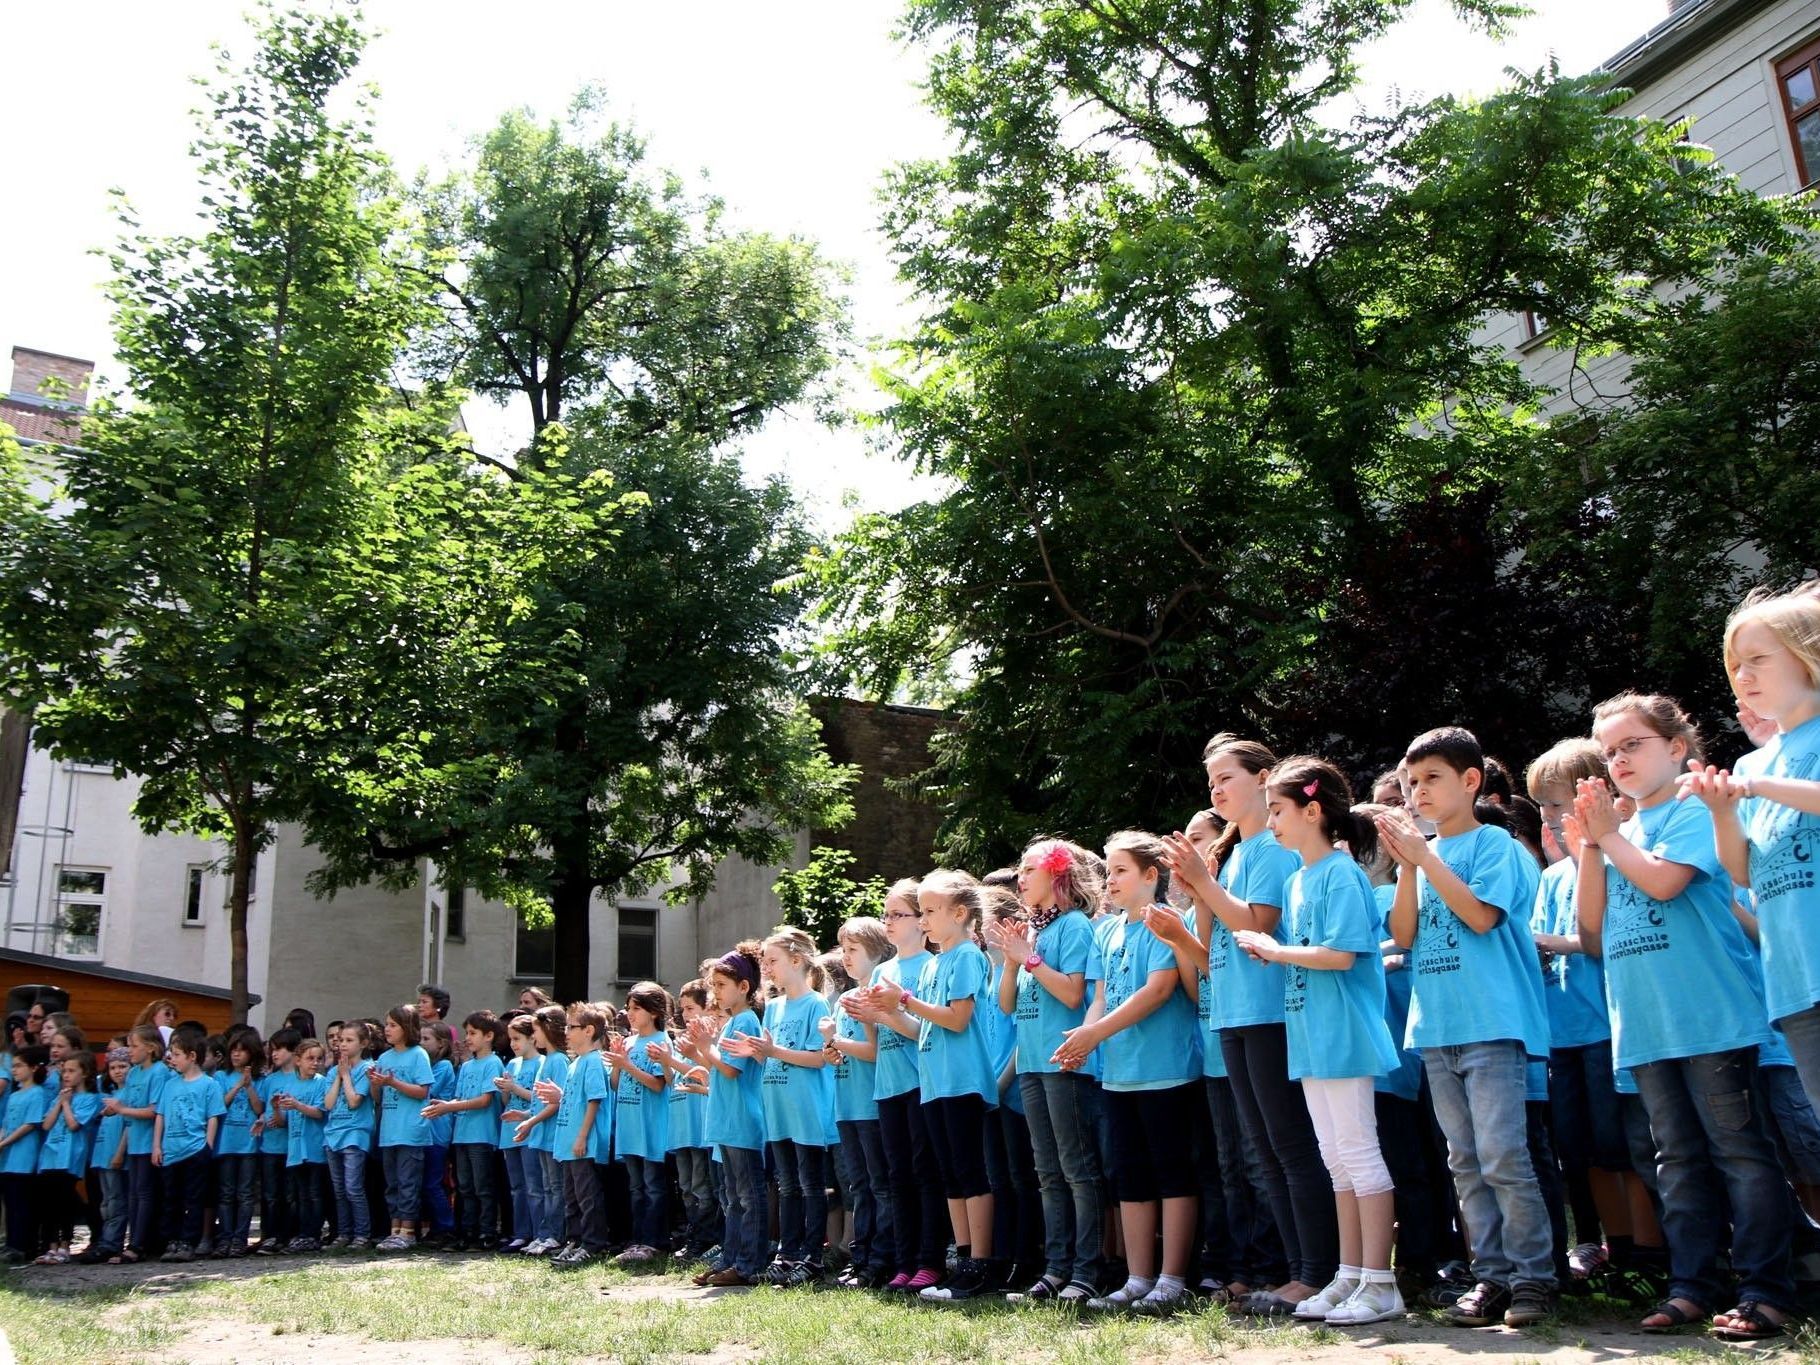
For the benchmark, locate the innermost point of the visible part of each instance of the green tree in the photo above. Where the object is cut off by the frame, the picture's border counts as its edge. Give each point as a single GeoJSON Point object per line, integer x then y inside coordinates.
{"type": "Point", "coordinates": [1205, 373]}
{"type": "Point", "coordinates": [820, 897]}
{"type": "Point", "coordinates": [642, 718]}
{"type": "Point", "coordinates": [210, 545]}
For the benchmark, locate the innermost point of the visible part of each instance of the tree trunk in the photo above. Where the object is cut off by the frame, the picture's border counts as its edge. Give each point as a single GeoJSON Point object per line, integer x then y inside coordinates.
{"type": "Point", "coordinates": [569, 903]}
{"type": "Point", "coordinates": [244, 852]}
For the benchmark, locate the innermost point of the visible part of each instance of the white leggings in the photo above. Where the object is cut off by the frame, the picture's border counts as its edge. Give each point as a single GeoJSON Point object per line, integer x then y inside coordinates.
{"type": "Point", "coordinates": [1346, 1125]}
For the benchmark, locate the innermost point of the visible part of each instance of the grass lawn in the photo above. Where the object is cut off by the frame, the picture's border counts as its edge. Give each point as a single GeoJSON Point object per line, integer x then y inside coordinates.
{"type": "Point", "coordinates": [448, 1309]}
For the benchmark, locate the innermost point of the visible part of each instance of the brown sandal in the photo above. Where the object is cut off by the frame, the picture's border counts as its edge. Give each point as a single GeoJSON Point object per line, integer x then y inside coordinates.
{"type": "Point", "coordinates": [1748, 1323]}
{"type": "Point", "coordinates": [1678, 1318]}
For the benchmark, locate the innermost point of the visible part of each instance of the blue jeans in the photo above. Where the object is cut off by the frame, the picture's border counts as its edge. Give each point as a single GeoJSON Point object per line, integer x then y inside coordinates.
{"type": "Point", "coordinates": [435, 1191]}
{"type": "Point", "coordinates": [1478, 1091]}
{"type": "Point", "coordinates": [701, 1198]}
{"type": "Point", "coordinates": [403, 1182]}
{"type": "Point", "coordinates": [142, 1202]}
{"type": "Point", "coordinates": [745, 1246]}
{"type": "Point", "coordinates": [650, 1201]}
{"type": "Point", "coordinates": [348, 1180]}
{"type": "Point", "coordinates": [546, 1186]}
{"type": "Point", "coordinates": [1061, 1108]}
{"type": "Point", "coordinates": [518, 1181]}
{"type": "Point", "coordinates": [237, 1185]}
{"type": "Point", "coordinates": [474, 1190]}
{"type": "Point", "coordinates": [112, 1199]}
{"type": "Point", "coordinates": [1802, 1034]}
{"type": "Point", "coordinates": [802, 1200]}
{"type": "Point", "coordinates": [1709, 1130]}
{"type": "Point", "coordinates": [1588, 1129]}
{"type": "Point", "coordinates": [866, 1186]}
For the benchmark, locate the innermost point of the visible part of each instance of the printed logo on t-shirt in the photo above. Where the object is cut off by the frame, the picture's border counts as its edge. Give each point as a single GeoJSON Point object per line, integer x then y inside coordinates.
{"type": "Point", "coordinates": [1437, 935]}
{"type": "Point", "coordinates": [791, 1033]}
{"type": "Point", "coordinates": [1028, 1006]}
{"type": "Point", "coordinates": [1295, 986]}
{"type": "Point", "coordinates": [1634, 923]}
{"type": "Point", "coordinates": [1118, 971]}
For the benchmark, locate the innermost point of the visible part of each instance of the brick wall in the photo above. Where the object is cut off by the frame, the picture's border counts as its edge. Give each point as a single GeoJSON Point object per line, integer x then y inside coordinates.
{"type": "Point", "coordinates": [69, 376]}
{"type": "Point", "coordinates": [891, 835]}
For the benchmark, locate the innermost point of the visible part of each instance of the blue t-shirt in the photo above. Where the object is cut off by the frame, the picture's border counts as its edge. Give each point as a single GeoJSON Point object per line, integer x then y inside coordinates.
{"type": "Point", "coordinates": [1679, 975]}
{"type": "Point", "coordinates": [347, 1125]}
{"type": "Point", "coordinates": [1257, 871]}
{"type": "Point", "coordinates": [65, 1149]}
{"type": "Point", "coordinates": [143, 1087]}
{"type": "Point", "coordinates": [896, 1072]}
{"type": "Point", "coordinates": [1784, 848]}
{"type": "Point", "coordinates": [235, 1137]}
{"type": "Point", "coordinates": [442, 1087]}
{"type": "Point", "coordinates": [27, 1106]}
{"type": "Point", "coordinates": [1404, 1080]}
{"type": "Point", "coordinates": [306, 1133]}
{"type": "Point", "coordinates": [523, 1071]}
{"type": "Point", "coordinates": [554, 1068]}
{"type": "Point", "coordinates": [1478, 988]}
{"type": "Point", "coordinates": [107, 1138]}
{"type": "Point", "coordinates": [688, 1111]}
{"type": "Point", "coordinates": [275, 1138]}
{"type": "Point", "coordinates": [641, 1118]}
{"type": "Point", "coordinates": [186, 1108]}
{"type": "Point", "coordinates": [1213, 1057]}
{"type": "Point", "coordinates": [587, 1081]}
{"type": "Point", "coordinates": [854, 1080]}
{"type": "Point", "coordinates": [475, 1081]}
{"type": "Point", "coordinates": [1001, 1040]}
{"type": "Point", "coordinates": [1066, 945]}
{"type": "Point", "coordinates": [1162, 1049]}
{"type": "Point", "coordinates": [951, 1062]}
{"type": "Point", "coordinates": [401, 1120]}
{"type": "Point", "coordinates": [1574, 983]}
{"type": "Point", "coordinates": [736, 1115]}
{"type": "Point", "coordinates": [798, 1100]}
{"type": "Point", "coordinates": [1335, 1019]}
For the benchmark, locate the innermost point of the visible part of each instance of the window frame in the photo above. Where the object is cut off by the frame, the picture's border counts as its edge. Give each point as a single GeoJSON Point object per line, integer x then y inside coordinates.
{"type": "Point", "coordinates": [519, 930]}
{"type": "Point", "coordinates": [65, 898]}
{"type": "Point", "coordinates": [195, 881]}
{"type": "Point", "coordinates": [623, 977]}
{"type": "Point", "coordinates": [1806, 56]}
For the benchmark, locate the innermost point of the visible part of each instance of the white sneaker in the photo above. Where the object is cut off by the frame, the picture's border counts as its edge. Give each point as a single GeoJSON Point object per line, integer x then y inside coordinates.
{"type": "Point", "coordinates": [539, 1247]}
{"type": "Point", "coordinates": [1369, 1303]}
{"type": "Point", "coordinates": [1316, 1307]}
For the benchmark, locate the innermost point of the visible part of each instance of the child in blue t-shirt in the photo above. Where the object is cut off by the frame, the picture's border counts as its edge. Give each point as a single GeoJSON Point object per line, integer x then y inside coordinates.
{"type": "Point", "coordinates": [1462, 911]}
{"type": "Point", "coordinates": [107, 1169]}
{"type": "Point", "coordinates": [641, 1119]}
{"type": "Point", "coordinates": [438, 1041]}
{"type": "Point", "coordinates": [687, 1085]}
{"type": "Point", "coordinates": [400, 1083]}
{"type": "Point", "coordinates": [1655, 899]}
{"type": "Point", "coordinates": [955, 1075]}
{"type": "Point", "coordinates": [1051, 961]}
{"type": "Point", "coordinates": [183, 1137]}
{"type": "Point", "coordinates": [535, 1129]}
{"type": "Point", "coordinates": [277, 1206]}
{"type": "Point", "coordinates": [852, 1048]}
{"type": "Point", "coordinates": [347, 1136]}
{"type": "Point", "coordinates": [237, 1149]}
{"type": "Point", "coordinates": [21, 1134]}
{"type": "Point", "coordinates": [1143, 1023]}
{"type": "Point", "coordinates": [797, 1097]}
{"type": "Point", "coordinates": [584, 1117]}
{"type": "Point", "coordinates": [69, 1126]}
{"type": "Point", "coordinates": [524, 1179]}
{"type": "Point", "coordinates": [1334, 1013]}
{"type": "Point", "coordinates": [305, 1157]}
{"type": "Point", "coordinates": [137, 1103]}
{"type": "Point", "coordinates": [735, 1119]}
{"type": "Point", "coordinates": [475, 1110]}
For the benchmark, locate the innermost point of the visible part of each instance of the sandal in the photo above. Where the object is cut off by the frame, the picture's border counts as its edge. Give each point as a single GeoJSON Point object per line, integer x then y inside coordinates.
{"type": "Point", "coordinates": [124, 1258]}
{"type": "Point", "coordinates": [1678, 1318]}
{"type": "Point", "coordinates": [1261, 1303]}
{"type": "Point", "coordinates": [1748, 1323]}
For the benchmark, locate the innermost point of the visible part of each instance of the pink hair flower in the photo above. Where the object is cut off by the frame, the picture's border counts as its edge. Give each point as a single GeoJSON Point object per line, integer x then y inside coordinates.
{"type": "Point", "coordinates": [1313, 788]}
{"type": "Point", "coordinates": [1057, 860]}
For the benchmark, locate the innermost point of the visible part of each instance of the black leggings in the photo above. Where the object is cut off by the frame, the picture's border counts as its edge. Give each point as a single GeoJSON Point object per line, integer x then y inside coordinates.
{"type": "Point", "coordinates": [1274, 1119]}
{"type": "Point", "coordinates": [916, 1184]}
{"type": "Point", "coordinates": [957, 1128]}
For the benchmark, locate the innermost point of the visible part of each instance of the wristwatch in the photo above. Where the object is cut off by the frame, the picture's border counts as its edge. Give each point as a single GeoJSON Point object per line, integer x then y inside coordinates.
{"type": "Point", "coordinates": [1032, 962]}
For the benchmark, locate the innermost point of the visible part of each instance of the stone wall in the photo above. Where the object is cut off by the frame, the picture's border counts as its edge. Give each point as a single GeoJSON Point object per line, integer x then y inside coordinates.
{"type": "Point", "coordinates": [891, 834]}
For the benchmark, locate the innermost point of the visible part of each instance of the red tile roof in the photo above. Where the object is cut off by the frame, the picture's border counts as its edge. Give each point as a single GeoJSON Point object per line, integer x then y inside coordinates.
{"type": "Point", "coordinates": [33, 423]}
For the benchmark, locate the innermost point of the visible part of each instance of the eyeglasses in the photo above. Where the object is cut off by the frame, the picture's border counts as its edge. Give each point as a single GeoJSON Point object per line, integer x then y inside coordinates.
{"type": "Point", "coordinates": [1627, 747]}
{"type": "Point", "coordinates": [905, 914]}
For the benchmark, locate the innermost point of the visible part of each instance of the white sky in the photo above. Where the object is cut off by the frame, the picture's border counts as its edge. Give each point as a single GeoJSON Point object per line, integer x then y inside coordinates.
{"type": "Point", "coordinates": [794, 107]}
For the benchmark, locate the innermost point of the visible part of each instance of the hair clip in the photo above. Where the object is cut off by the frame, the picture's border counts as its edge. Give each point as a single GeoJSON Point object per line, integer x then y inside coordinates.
{"type": "Point", "coordinates": [1313, 788]}
{"type": "Point", "coordinates": [1057, 860]}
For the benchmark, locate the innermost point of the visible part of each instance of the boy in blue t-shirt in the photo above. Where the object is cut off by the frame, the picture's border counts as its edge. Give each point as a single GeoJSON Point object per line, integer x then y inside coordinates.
{"type": "Point", "coordinates": [183, 1138]}
{"type": "Point", "coordinates": [1462, 910]}
{"type": "Point", "coordinates": [582, 1118]}
{"type": "Point", "coordinates": [304, 1157]}
{"type": "Point", "coordinates": [475, 1108]}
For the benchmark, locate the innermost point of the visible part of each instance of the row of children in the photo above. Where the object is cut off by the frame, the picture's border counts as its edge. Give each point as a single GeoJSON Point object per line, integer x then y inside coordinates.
{"type": "Point", "coordinates": [1242, 1035]}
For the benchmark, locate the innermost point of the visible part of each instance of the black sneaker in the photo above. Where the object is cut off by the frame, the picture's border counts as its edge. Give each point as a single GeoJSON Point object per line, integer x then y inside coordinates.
{"type": "Point", "coordinates": [1043, 1291]}
{"type": "Point", "coordinates": [1481, 1306]}
{"type": "Point", "coordinates": [968, 1280]}
{"type": "Point", "coordinates": [1529, 1305]}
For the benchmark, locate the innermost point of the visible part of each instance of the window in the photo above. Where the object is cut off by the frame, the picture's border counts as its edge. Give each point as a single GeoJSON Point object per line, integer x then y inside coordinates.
{"type": "Point", "coordinates": [536, 953]}
{"type": "Point", "coordinates": [192, 893]}
{"type": "Point", "coordinates": [1799, 78]}
{"type": "Point", "coordinates": [81, 899]}
{"type": "Point", "coordinates": [252, 883]}
{"type": "Point", "coordinates": [637, 944]}
{"type": "Point", "coordinates": [457, 925]}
